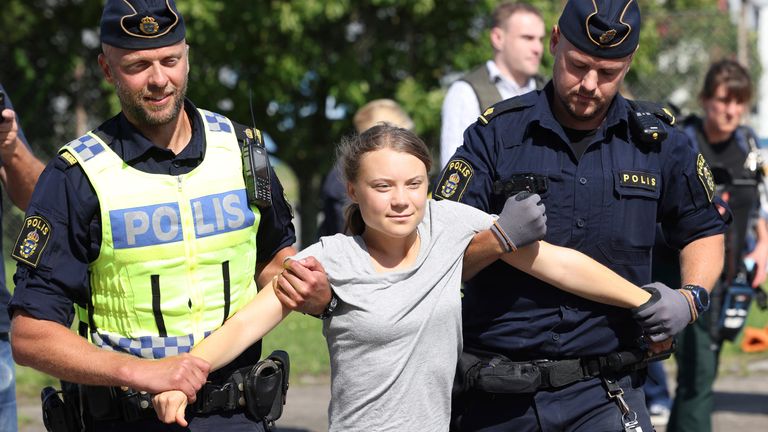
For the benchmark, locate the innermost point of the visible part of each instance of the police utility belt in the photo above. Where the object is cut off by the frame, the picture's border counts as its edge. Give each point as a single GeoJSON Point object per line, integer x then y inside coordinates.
{"type": "Point", "coordinates": [258, 390]}
{"type": "Point", "coordinates": [494, 373]}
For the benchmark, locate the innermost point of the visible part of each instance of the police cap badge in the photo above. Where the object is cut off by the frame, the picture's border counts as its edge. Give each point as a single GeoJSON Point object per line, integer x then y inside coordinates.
{"type": "Point", "coordinates": [141, 24]}
{"type": "Point", "coordinates": [602, 28]}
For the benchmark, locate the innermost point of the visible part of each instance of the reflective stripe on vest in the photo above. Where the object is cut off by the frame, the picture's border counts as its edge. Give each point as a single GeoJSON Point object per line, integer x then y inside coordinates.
{"type": "Point", "coordinates": [178, 253]}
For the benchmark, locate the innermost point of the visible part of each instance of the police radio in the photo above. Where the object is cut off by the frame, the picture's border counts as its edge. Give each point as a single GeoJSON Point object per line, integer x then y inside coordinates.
{"type": "Point", "coordinates": [647, 127]}
{"type": "Point", "coordinates": [736, 302]}
{"type": "Point", "coordinates": [256, 170]}
{"type": "Point", "coordinates": [258, 187]}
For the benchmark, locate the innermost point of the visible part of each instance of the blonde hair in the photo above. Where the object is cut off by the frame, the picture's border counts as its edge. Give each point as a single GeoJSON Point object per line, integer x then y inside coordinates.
{"type": "Point", "coordinates": [381, 111]}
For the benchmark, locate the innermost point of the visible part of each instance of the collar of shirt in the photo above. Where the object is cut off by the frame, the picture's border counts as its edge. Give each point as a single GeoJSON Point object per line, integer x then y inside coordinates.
{"type": "Point", "coordinates": [616, 116]}
{"type": "Point", "coordinates": [507, 87]}
{"type": "Point", "coordinates": [132, 145]}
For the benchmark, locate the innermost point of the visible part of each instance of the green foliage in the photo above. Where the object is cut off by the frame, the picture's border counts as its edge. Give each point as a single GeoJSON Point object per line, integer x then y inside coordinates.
{"type": "Point", "coordinates": [309, 64]}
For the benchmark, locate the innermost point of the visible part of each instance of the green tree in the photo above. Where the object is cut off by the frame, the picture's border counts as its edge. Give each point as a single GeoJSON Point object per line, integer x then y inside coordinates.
{"type": "Point", "coordinates": [304, 66]}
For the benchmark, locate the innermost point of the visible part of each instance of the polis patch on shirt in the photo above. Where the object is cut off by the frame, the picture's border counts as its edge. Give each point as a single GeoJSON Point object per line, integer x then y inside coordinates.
{"type": "Point", "coordinates": [705, 176]}
{"type": "Point", "coordinates": [32, 239]}
{"type": "Point", "coordinates": [455, 180]}
{"type": "Point", "coordinates": [639, 179]}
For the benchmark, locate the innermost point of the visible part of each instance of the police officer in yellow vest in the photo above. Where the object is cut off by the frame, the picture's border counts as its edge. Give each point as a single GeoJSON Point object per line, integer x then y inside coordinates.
{"type": "Point", "coordinates": [144, 224]}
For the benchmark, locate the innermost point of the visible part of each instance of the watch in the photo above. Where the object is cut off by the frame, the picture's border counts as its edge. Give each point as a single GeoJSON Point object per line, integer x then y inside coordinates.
{"type": "Point", "coordinates": [329, 308]}
{"type": "Point", "coordinates": [700, 297]}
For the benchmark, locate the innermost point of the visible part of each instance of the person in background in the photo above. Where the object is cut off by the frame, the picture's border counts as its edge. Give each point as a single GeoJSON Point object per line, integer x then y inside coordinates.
{"type": "Point", "coordinates": [334, 193]}
{"type": "Point", "coordinates": [730, 147]}
{"type": "Point", "coordinates": [517, 35]}
{"type": "Point", "coordinates": [19, 170]}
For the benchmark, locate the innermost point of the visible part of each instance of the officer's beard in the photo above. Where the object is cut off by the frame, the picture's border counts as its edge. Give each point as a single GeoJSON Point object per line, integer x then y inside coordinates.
{"type": "Point", "coordinates": [568, 102]}
{"type": "Point", "coordinates": [133, 104]}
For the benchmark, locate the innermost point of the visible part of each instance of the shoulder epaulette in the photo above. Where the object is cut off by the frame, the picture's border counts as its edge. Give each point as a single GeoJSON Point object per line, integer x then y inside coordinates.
{"type": "Point", "coordinates": [662, 112]}
{"type": "Point", "coordinates": [243, 132]}
{"type": "Point", "coordinates": [67, 157]}
{"type": "Point", "coordinates": [507, 105]}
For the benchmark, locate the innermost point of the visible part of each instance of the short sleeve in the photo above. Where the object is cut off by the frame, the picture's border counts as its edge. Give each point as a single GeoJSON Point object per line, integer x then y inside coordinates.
{"type": "Point", "coordinates": [53, 274]}
{"type": "Point", "coordinates": [468, 176]}
{"type": "Point", "coordinates": [687, 211]}
{"type": "Point", "coordinates": [276, 229]}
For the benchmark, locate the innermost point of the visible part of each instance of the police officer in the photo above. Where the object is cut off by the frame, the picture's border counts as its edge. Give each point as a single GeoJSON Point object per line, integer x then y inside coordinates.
{"type": "Point", "coordinates": [144, 225]}
{"type": "Point", "coordinates": [606, 179]}
{"type": "Point", "coordinates": [732, 148]}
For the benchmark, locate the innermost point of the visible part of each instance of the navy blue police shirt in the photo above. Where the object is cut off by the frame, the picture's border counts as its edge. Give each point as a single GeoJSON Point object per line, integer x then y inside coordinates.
{"type": "Point", "coordinates": [66, 199]}
{"type": "Point", "coordinates": [605, 204]}
{"type": "Point", "coordinates": [5, 295]}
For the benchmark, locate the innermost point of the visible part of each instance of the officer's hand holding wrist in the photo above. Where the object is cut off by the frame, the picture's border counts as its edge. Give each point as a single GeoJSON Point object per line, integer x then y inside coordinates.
{"type": "Point", "coordinates": [522, 221]}
{"type": "Point", "coordinates": [665, 314]}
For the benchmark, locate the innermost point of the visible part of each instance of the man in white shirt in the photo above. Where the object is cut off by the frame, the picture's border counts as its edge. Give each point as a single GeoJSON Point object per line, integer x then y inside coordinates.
{"type": "Point", "coordinates": [517, 35]}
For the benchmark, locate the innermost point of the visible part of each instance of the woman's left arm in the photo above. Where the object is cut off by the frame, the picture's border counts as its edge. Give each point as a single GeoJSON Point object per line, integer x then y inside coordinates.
{"type": "Point", "coordinates": [576, 273]}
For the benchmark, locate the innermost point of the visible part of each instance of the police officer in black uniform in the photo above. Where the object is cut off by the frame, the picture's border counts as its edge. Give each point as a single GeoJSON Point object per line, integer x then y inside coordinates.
{"type": "Point", "coordinates": [607, 170]}
{"type": "Point", "coordinates": [159, 138]}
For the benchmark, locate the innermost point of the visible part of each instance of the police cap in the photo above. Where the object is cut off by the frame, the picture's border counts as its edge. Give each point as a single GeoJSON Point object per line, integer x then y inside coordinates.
{"type": "Point", "coordinates": [602, 28]}
{"type": "Point", "coordinates": [141, 24]}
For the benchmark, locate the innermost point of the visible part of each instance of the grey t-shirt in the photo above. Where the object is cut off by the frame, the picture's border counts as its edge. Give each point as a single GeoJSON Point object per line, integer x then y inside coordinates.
{"type": "Point", "coordinates": [395, 337]}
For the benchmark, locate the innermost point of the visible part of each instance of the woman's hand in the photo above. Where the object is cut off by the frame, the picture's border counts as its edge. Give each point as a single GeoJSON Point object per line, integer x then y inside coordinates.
{"type": "Point", "coordinates": [170, 407]}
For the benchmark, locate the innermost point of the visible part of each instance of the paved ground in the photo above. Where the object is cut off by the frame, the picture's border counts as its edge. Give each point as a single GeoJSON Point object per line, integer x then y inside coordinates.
{"type": "Point", "coordinates": [741, 404]}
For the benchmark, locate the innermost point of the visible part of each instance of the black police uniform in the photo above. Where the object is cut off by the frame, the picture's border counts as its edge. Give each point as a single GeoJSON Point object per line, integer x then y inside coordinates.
{"type": "Point", "coordinates": [605, 204]}
{"type": "Point", "coordinates": [65, 198]}
{"type": "Point", "coordinates": [604, 191]}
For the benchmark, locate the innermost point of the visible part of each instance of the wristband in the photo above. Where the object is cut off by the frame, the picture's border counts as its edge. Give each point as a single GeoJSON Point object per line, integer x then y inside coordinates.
{"type": "Point", "coordinates": [691, 307]}
{"type": "Point", "coordinates": [506, 242]}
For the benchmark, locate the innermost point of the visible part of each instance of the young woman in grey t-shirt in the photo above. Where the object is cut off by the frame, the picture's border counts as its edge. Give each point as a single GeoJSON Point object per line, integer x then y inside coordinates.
{"type": "Point", "coordinates": [395, 336]}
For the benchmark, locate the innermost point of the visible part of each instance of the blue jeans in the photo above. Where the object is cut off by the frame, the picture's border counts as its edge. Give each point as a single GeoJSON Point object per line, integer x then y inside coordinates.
{"type": "Point", "coordinates": [8, 420]}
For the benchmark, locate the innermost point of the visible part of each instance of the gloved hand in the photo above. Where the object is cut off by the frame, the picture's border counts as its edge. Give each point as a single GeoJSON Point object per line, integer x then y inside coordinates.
{"type": "Point", "coordinates": [665, 314]}
{"type": "Point", "coordinates": [522, 221]}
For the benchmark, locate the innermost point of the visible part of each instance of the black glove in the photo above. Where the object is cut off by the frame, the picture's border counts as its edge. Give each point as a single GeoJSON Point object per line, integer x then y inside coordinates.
{"type": "Point", "coordinates": [522, 221]}
{"type": "Point", "coordinates": [665, 314]}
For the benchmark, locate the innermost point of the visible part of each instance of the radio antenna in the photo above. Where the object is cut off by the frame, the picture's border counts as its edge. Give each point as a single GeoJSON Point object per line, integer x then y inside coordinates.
{"type": "Point", "coordinates": [250, 105]}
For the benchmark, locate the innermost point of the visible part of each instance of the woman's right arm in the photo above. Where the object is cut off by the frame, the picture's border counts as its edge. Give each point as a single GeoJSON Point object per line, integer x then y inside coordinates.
{"type": "Point", "coordinates": [238, 333]}
{"type": "Point", "coordinates": [243, 329]}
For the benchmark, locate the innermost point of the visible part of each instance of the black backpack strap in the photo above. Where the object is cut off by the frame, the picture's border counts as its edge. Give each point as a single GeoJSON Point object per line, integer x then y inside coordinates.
{"type": "Point", "coordinates": [480, 81]}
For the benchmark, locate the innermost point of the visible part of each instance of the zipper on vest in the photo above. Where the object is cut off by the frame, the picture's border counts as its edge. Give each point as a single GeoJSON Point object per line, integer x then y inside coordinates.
{"type": "Point", "coordinates": [196, 300]}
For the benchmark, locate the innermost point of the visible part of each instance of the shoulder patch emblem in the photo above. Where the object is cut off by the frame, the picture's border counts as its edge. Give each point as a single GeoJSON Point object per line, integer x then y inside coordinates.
{"type": "Point", "coordinates": [454, 180]}
{"type": "Point", "coordinates": [32, 240]}
{"type": "Point", "coordinates": [705, 176]}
